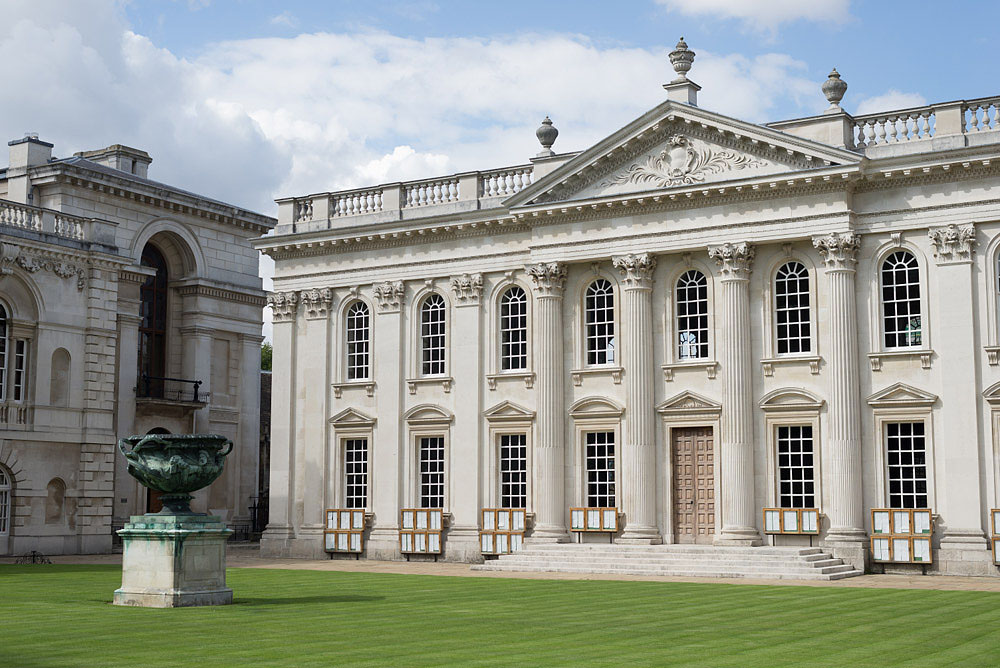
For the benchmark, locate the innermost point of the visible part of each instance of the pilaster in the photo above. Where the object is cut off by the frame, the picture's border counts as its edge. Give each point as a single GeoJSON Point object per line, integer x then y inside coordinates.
{"type": "Point", "coordinates": [638, 454]}
{"type": "Point", "coordinates": [550, 452]}
{"type": "Point", "coordinates": [844, 502]}
{"type": "Point", "coordinates": [739, 516]}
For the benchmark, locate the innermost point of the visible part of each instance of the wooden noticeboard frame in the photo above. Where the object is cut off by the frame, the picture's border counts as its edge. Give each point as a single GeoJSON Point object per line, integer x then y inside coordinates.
{"type": "Point", "coordinates": [902, 535]}
{"type": "Point", "coordinates": [995, 534]}
{"type": "Point", "coordinates": [344, 532]}
{"type": "Point", "coordinates": [502, 530]}
{"type": "Point", "coordinates": [594, 520]}
{"type": "Point", "coordinates": [791, 521]}
{"type": "Point", "coordinates": [421, 530]}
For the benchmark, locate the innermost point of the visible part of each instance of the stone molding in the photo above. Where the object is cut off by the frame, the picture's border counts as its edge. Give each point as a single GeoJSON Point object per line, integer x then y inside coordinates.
{"type": "Point", "coordinates": [636, 270]}
{"type": "Point", "coordinates": [12, 254]}
{"type": "Point", "coordinates": [735, 260]}
{"type": "Point", "coordinates": [549, 278]}
{"type": "Point", "coordinates": [953, 243]}
{"type": "Point", "coordinates": [283, 305]}
{"type": "Point", "coordinates": [222, 293]}
{"type": "Point", "coordinates": [317, 302]}
{"type": "Point", "coordinates": [389, 295]}
{"type": "Point", "coordinates": [468, 289]}
{"type": "Point", "coordinates": [839, 251]}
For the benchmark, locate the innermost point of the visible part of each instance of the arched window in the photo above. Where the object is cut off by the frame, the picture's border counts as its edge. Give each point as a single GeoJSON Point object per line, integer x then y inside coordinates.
{"type": "Point", "coordinates": [6, 485]}
{"type": "Point", "coordinates": [153, 326]}
{"type": "Point", "coordinates": [514, 330]}
{"type": "Point", "coordinates": [4, 343]}
{"type": "Point", "coordinates": [691, 299]}
{"type": "Point", "coordinates": [358, 341]}
{"type": "Point", "coordinates": [599, 310]}
{"type": "Point", "coordinates": [901, 322]}
{"type": "Point", "coordinates": [791, 309]}
{"type": "Point", "coordinates": [432, 336]}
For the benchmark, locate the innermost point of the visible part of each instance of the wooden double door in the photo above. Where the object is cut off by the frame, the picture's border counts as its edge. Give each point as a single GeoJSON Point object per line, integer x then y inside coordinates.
{"type": "Point", "coordinates": [693, 467]}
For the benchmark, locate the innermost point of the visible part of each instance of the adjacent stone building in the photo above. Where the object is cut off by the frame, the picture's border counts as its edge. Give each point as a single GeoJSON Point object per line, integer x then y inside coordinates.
{"type": "Point", "coordinates": [692, 320]}
{"type": "Point", "coordinates": [126, 306]}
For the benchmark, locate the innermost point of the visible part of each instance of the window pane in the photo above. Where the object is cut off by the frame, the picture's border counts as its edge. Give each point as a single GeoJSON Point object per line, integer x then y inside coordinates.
{"type": "Point", "coordinates": [513, 471]}
{"type": "Point", "coordinates": [358, 341]}
{"type": "Point", "coordinates": [432, 333]}
{"type": "Point", "coordinates": [691, 298]}
{"type": "Point", "coordinates": [514, 330]}
{"type": "Point", "coordinates": [356, 473]}
{"type": "Point", "coordinates": [901, 322]}
{"type": "Point", "coordinates": [599, 310]}
{"type": "Point", "coordinates": [791, 308]}
{"type": "Point", "coordinates": [432, 472]}
{"type": "Point", "coordinates": [600, 456]}
{"type": "Point", "coordinates": [905, 446]}
{"type": "Point", "coordinates": [795, 469]}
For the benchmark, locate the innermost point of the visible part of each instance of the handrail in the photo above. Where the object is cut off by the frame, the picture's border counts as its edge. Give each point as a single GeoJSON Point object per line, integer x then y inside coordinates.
{"type": "Point", "coordinates": [149, 388]}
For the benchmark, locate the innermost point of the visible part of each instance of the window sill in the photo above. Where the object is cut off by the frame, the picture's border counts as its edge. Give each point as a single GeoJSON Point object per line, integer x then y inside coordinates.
{"type": "Point", "coordinates": [992, 354]}
{"type": "Point", "coordinates": [614, 371]}
{"type": "Point", "coordinates": [767, 365]}
{"type": "Point", "coordinates": [924, 354]}
{"type": "Point", "coordinates": [527, 376]}
{"type": "Point", "coordinates": [711, 368]}
{"type": "Point", "coordinates": [444, 381]}
{"type": "Point", "coordinates": [368, 385]}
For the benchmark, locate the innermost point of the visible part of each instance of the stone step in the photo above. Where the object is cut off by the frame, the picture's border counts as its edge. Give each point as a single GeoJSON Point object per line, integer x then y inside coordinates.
{"type": "Point", "coordinates": [680, 549]}
{"type": "Point", "coordinates": [666, 554]}
{"type": "Point", "coordinates": [732, 564]}
{"type": "Point", "coordinates": [835, 566]}
{"type": "Point", "coordinates": [679, 573]}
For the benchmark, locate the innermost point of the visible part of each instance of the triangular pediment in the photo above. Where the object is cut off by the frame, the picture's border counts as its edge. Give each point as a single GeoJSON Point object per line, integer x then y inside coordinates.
{"type": "Point", "coordinates": [350, 417]}
{"type": "Point", "coordinates": [901, 394]}
{"type": "Point", "coordinates": [595, 407]}
{"type": "Point", "coordinates": [675, 146]}
{"type": "Point", "coordinates": [688, 402]}
{"type": "Point", "coordinates": [427, 413]}
{"type": "Point", "coordinates": [790, 398]}
{"type": "Point", "coordinates": [508, 410]}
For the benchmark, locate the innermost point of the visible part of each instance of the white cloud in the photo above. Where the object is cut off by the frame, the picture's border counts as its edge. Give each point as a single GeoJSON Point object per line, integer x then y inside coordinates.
{"type": "Point", "coordinates": [247, 121]}
{"type": "Point", "coordinates": [765, 16]}
{"type": "Point", "coordinates": [285, 18]}
{"type": "Point", "coordinates": [890, 100]}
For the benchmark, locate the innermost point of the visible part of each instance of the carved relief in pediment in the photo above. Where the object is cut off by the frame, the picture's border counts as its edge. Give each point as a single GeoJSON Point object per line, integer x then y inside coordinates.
{"type": "Point", "coordinates": [683, 161]}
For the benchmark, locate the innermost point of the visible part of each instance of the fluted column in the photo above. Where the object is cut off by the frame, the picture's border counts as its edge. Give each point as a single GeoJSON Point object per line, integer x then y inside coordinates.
{"type": "Point", "coordinates": [844, 497]}
{"type": "Point", "coordinates": [638, 454]}
{"type": "Point", "coordinates": [550, 493]}
{"type": "Point", "coordinates": [738, 507]}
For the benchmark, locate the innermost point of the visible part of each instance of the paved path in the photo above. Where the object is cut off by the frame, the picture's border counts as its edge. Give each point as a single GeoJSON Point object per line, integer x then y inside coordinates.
{"type": "Point", "coordinates": [240, 556]}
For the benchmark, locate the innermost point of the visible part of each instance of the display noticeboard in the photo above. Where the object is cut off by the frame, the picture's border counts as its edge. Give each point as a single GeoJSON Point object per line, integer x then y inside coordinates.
{"type": "Point", "coordinates": [603, 520]}
{"type": "Point", "coordinates": [795, 521]}
{"type": "Point", "coordinates": [502, 530]}
{"type": "Point", "coordinates": [902, 535]}
{"type": "Point", "coordinates": [995, 534]}
{"type": "Point", "coordinates": [345, 529]}
{"type": "Point", "coordinates": [420, 530]}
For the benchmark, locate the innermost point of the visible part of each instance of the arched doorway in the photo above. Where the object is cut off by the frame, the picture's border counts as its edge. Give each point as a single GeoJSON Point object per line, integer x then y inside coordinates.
{"type": "Point", "coordinates": [153, 326]}
{"type": "Point", "coordinates": [6, 508]}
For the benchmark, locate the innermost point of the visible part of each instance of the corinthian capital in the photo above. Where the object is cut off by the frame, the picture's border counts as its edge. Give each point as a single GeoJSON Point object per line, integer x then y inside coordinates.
{"type": "Point", "coordinates": [283, 305]}
{"type": "Point", "coordinates": [468, 288]}
{"type": "Point", "coordinates": [549, 277]}
{"type": "Point", "coordinates": [953, 243]}
{"type": "Point", "coordinates": [317, 302]}
{"type": "Point", "coordinates": [735, 260]}
{"type": "Point", "coordinates": [839, 250]}
{"type": "Point", "coordinates": [636, 270]}
{"type": "Point", "coordinates": [389, 295]}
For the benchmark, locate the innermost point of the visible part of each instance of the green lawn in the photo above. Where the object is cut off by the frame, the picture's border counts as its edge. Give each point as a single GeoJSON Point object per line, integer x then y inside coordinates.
{"type": "Point", "coordinates": [60, 616]}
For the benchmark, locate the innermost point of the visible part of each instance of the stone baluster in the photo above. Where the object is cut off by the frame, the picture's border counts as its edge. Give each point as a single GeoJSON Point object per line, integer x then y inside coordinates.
{"type": "Point", "coordinates": [550, 509]}
{"type": "Point", "coordinates": [843, 501]}
{"type": "Point", "coordinates": [738, 505]}
{"type": "Point", "coordinates": [638, 453]}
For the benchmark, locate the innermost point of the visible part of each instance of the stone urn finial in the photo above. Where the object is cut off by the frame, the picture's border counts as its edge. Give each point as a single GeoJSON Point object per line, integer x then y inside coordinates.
{"type": "Point", "coordinates": [834, 88]}
{"type": "Point", "coordinates": [546, 134]}
{"type": "Point", "coordinates": [681, 58]}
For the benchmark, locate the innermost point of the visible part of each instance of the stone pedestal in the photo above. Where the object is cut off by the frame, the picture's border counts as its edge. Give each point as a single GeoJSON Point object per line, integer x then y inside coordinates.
{"type": "Point", "coordinates": [171, 561]}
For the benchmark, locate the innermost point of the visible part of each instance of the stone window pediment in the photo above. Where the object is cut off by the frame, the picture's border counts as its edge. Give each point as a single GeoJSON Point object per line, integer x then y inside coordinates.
{"type": "Point", "coordinates": [428, 414]}
{"type": "Point", "coordinates": [349, 417]}
{"type": "Point", "coordinates": [903, 396]}
{"type": "Point", "coordinates": [508, 411]}
{"type": "Point", "coordinates": [790, 398]}
{"type": "Point", "coordinates": [595, 407]}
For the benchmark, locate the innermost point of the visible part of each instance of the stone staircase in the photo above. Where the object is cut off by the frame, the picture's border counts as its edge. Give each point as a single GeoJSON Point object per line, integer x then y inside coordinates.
{"type": "Point", "coordinates": [709, 561]}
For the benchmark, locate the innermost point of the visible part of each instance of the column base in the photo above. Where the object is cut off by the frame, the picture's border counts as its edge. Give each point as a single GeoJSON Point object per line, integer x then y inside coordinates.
{"type": "Point", "coordinates": [739, 536]}
{"type": "Point", "coordinates": [844, 535]}
{"type": "Point", "coordinates": [964, 539]}
{"type": "Point", "coordinates": [549, 534]}
{"type": "Point", "coordinates": [640, 535]}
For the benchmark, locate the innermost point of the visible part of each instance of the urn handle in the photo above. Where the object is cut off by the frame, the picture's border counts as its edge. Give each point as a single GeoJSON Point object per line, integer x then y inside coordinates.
{"type": "Point", "coordinates": [228, 450]}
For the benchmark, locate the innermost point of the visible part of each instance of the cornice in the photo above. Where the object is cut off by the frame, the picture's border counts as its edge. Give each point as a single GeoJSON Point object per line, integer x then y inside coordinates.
{"type": "Point", "coordinates": [34, 260]}
{"type": "Point", "coordinates": [255, 298]}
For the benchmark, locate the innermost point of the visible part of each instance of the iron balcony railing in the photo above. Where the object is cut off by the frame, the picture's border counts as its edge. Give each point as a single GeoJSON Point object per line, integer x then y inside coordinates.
{"type": "Point", "coordinates": [170, 389]}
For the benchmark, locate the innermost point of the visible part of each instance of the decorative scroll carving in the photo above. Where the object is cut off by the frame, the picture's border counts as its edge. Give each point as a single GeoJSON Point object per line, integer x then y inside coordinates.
{"type": "Point", "coordinates": [468, 288]}
{"type": "Point", "coordinates": [683, 163]}
{"type": "Point", "coordinates": [549, 277]}
{"type": "Point", "coordinates": [953, 243]}
{"type": "Point", "coordinates": [839, 251]}
{"type": "Point", "coordinates": [11, 254]}
{"type": "Point", "coordinates": [735, 260]}
{"type": "Point", "coordinates": [389, 295]}
{"type": "Point", "coordinates": [317, 302]}
{"type": "Point", "coordinates": [637, 270]}
{"type": "Point", "coordinates": [283, 305]}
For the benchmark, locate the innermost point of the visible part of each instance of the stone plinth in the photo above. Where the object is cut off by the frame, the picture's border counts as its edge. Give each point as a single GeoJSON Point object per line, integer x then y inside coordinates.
{"type": "Point", "coordinates": [172, 561]}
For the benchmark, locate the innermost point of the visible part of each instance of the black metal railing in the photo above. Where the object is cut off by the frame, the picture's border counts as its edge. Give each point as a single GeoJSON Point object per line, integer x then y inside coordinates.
{"type": "Point", "coordinates": [171, 389]}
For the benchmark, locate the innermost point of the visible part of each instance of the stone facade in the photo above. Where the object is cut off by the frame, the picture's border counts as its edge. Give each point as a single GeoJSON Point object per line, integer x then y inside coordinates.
{"type": "Point", "coordinates": [819, 294]}
{"type": "Point", "coordinates": [73, 232]}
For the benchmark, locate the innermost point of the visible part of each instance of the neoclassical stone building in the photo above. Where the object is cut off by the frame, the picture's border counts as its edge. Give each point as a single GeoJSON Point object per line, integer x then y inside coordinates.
{"type": "Point", "coordinates": [126, 306]}
{"type": "Point", "coordinates": [690, 321]}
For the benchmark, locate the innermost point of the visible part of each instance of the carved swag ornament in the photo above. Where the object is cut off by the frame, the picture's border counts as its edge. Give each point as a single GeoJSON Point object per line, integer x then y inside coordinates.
{"type": "Point", "coordinates": [682, 163]}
